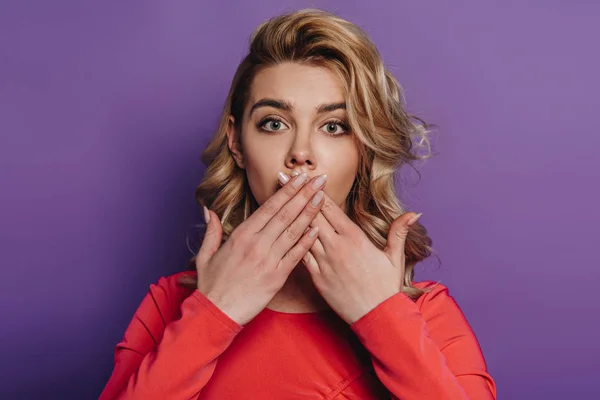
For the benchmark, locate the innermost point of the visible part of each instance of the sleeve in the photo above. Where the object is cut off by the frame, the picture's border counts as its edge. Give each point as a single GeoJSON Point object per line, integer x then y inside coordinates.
{"type": "Point", "coordinates": [425, 353]}
{"type": "Point", "coordinates": [163, 356]}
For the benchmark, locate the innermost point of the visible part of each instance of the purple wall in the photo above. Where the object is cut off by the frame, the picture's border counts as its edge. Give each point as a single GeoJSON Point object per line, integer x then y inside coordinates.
{"type": "Point", "coordinates": [104, 110]}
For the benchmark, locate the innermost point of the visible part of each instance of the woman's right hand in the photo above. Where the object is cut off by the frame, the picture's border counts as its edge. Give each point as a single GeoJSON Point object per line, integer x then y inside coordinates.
{"type": "Point", "coordinates": [242, 276]}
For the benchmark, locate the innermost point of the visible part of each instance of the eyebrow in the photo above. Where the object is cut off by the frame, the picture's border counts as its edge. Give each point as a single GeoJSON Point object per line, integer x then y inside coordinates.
{"type": "Point", "coordinates": [287, 106]}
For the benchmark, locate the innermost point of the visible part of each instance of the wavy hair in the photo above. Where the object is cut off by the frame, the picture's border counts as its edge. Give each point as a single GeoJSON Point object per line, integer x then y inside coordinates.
{"type": "Point", "coordinates": [387, 136]}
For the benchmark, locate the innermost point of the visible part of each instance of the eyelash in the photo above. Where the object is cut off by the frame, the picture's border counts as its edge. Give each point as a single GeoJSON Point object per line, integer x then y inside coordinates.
{"type": "Point", "coordinates": [339, 122]}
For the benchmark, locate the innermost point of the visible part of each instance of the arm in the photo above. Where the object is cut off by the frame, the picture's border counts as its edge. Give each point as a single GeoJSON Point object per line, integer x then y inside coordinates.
{"type": "Point", "coordinates": [243, 274]}
{"type": "Point", "coordinates": [426, 352]}
{"type": "Point", "coordinates": [164, 357]}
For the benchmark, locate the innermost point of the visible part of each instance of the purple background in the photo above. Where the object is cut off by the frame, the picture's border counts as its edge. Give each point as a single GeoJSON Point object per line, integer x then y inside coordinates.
{"type": "Point", "coordinates": [105, 108]}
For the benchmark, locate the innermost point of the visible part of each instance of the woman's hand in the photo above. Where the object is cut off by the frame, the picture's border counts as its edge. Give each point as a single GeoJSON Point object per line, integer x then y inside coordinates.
{"type": "Point", "coordinates": [242, 276]}
{"type": "Point", "coordinates": [349, 271]}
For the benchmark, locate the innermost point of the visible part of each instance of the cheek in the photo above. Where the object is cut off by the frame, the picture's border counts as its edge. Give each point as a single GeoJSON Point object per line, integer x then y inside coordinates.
{"type": "Point", "coordinates": [261, 171]}
{"type": "Point", "coordinates": [341, 163]}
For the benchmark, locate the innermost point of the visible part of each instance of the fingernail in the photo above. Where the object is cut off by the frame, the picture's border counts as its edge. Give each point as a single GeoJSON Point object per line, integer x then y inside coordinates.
{"type": "Point", "coordinates": [295, 173]}
{"type": "Point", "coordinates": [283, 178]}
{"type": "Point", "coordinates": [414, 219]}
{"type": "Point", "coordinates": [206, 215]}
{"type": "Point", "coordinates": [313, 232]}
{"type": "Point", "coordinates": [320, 181]}
{"type": "Point", "coordinates": [317, 198]}
{"type": "Point", "coordinates": [300, 179]}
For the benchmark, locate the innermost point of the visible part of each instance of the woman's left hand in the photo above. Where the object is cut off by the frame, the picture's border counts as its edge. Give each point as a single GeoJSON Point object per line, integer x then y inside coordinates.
{"type": "Point", "coordinates": [349, 271]}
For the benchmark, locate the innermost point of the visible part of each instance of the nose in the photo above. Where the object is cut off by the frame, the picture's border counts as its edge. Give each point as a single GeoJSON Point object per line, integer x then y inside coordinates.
{"type": "Point", "coordinates": [301, 154]}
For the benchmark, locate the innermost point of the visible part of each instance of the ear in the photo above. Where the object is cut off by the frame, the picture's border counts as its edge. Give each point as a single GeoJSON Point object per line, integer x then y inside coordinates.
{"type": "Point", "coordinates": [233, 141]}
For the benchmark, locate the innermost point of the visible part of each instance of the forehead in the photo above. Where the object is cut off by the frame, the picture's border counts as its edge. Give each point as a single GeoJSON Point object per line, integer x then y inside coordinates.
{"type": "Point", "coordinates": [302, 85]}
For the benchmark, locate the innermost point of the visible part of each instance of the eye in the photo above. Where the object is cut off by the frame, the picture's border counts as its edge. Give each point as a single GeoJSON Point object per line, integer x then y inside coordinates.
{"type": "Point", "coordinates": [335, 128]}
{"type": "Point", "coordinates": [271, 124]}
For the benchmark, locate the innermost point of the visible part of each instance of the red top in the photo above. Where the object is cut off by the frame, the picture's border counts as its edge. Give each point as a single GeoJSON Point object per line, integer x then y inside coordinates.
{"type": "Point", "coordinates": [179, 345]}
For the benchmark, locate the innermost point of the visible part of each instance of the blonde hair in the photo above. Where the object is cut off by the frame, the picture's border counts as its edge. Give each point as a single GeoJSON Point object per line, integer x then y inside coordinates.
{"type": "Point", "coordinates": [387, 136]}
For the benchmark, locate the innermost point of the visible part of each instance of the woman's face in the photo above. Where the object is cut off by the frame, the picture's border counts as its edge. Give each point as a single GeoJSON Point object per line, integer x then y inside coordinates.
{"type": "Point", "coordinates": [295, 121]}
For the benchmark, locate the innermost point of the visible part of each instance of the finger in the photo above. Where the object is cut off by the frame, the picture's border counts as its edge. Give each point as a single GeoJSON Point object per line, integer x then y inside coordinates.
{"type": "Point", "coordinates": [326, 231]}
{"type": "Point", "coordinates": [317, 250]}
{"type": "Point", "coordinates": [331, 204]}
{"type": "Point", "coordinates": [212, 237]}
{"type": "Point", "coordinates": [336, 216]}
{"type": "Point", "coordinates": [327, 234]}
{"type": "Point", "coordinates": [291, 210]}
{"type": "Point", "coordinates": [296, 253]}
{"type": "Point", "coordinates": [397, 235]}
{"type": "Point", "coordinates": [296, 229]}
{"type": "Point", "coordinates": [311, 263]}
{"type": "Point", "coordinates": [259, 219]}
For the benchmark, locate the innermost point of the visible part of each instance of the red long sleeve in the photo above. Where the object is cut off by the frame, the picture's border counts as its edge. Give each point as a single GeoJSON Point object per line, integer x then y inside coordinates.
{"type": "Point", "coordinates": [425, 350]}
{"type": "Point", "coordinates": [153, 362]}
{"type": "Point", "coordinates": [179, 345]}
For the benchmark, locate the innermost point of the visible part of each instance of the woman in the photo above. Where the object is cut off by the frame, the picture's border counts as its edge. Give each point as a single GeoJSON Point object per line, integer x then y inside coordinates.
{"type": "Point", "coordinates": [303, 284]}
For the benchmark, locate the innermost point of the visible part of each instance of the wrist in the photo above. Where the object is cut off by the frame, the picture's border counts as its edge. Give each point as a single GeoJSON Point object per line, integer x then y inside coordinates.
{"type": "Point", "coordinates": [370, 305]}
{"type": "Point", "coordinates": [236, 310]}
{"type": "Point", "coordinates": [216, 311]}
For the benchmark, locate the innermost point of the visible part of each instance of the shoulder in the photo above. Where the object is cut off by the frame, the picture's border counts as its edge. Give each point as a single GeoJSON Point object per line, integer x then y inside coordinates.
{"type": "Point", "coordinates": [163, 301]}
{"type": "Point", "coordinates": [437, 300]}
{"type": "Point", "coordinates": [439, 308]}
{"type": "Point", "coordinates": [432, 290]}
{"type": "Point", "coordinates": [171, 284]}
{"type": "Point", "coordinates": [168, 292]}
{"type": "Point", "coordinates": [160, 306]}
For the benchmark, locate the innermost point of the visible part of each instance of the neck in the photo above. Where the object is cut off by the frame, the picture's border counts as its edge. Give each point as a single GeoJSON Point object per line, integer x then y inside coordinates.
{"type": "Point", "coordinates": [298, 294]}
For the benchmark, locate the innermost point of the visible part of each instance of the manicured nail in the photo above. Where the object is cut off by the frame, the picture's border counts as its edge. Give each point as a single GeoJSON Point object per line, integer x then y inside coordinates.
{"type": "Point", "coordinates": [317, 198]}
{"type": "Point", "coordinates": [320, 181]}
{"type": "Point", "coordinates": [313, 232]}
{"type": "Point", "coordinates": [414, 219]}
{"type": "Point", "coordinates": [206, 215]}
{"type": "Point", "coordinates": [283, 178]}
{"type": "Point", "coordinates": [295, 173]}
{"type": "Point", "coordinates": [300, 179]}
